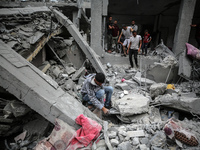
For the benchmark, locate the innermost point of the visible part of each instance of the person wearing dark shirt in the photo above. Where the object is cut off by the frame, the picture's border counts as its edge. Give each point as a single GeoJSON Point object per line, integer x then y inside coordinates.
{"type": "Point", "coordinates": [115, 33]}
{"type": "Point", "coordinates": [109, 34]}
{"type": "Point", "coordinates": [197, 35]}
{"type": "Point", "coordinates": [146, 39]}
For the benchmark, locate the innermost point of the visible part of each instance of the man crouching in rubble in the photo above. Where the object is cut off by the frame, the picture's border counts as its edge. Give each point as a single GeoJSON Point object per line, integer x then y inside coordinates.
{"type": "Point", "coordinates": [93, 92]}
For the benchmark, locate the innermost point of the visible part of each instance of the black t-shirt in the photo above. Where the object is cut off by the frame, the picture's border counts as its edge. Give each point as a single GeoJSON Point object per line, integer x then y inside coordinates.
{"type": "Point", "coordinates": [109, 31]}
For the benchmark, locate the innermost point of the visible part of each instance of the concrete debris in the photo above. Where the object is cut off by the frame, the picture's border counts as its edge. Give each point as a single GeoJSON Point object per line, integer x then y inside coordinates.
{"type": "Point", "coordinates": [141, 102]}
{"type": "Point", "coordinates": [157, 89]}
{"type": "Point", "coordinates": [130, 105]}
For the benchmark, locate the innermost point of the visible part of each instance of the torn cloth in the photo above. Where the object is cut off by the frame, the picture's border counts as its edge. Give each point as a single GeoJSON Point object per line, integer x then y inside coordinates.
{"type": "Point", "coordinates": [89, 131]}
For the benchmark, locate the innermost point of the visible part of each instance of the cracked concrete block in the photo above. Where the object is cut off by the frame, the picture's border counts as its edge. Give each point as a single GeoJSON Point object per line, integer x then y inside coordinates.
{"type": "Point", "coordinates": [135, 141]}
{"type": "Point", "coordinates": [139, 133]}
{"type": "Point", "coordinates": [125, 146]}
{"type": "Point", "coordinates": [69, 85]}
{"type": "Point", "coordinates": [70, 70]}
{"type": "Point", "coordinates": [143, 147]}
{"type": "Point", "coordinates": [131, 104]}
{"type": "Point", "coordinates": [56, 71]}
{"type": "Point", "coordinates": [114, 142]}
{"type": "Point", "coordinates": [157, 89]}
{"type": "Point", "coordinates": [122, 86]}
{"type": "Point", "coordinates": [189, 104]}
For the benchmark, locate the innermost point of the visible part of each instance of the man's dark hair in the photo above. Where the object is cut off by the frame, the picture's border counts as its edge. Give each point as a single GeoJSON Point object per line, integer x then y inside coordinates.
{"type": "Point", "coordinates": [100, 77]}
{"type": "Point", "coordinates": [134, 31]}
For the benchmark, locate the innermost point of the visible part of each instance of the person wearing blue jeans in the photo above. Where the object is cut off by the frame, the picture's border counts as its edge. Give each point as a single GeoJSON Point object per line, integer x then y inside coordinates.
{"type": "Point", "coordinates": [93, 92]}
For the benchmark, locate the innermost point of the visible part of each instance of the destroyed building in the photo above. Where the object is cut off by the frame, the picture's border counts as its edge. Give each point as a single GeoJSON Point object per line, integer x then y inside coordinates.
{"type": "Point", "coordinates": [46, 50]}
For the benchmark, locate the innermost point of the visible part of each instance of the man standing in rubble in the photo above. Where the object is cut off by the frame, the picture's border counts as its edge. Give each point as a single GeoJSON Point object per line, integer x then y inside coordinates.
{"type": "Point", "coordinates": [133, 48]}
{"type": "Point", "coordinates": [127, 32]}
{"type": "Point", "coordinates": [93, 92]}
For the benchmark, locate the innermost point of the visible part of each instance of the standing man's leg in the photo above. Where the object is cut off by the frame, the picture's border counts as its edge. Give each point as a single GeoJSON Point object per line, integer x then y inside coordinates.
{"type": "Point", "coordinates": [135, 52]}
{"type": "Point", "coordinates": [109, 42]}
{"type": "Point", "coordinates": [143, 48]}
{"type": "Point", "coordinates": [108, 92]}
{"type": "Point", "coordinates": [146, 44]}
{"type": "Point", "coordinates": [124, 46]}
{"type": "Point", "coordinates": [130, 57]}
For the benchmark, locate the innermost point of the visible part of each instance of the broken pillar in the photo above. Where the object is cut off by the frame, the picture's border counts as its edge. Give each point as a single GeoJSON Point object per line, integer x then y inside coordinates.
{"type": "Point", "coordinates": [37, 90]}
{"type": "Point", "coordinates": [89, 52]}
{"type": "Point", "coordinates": [183, 26]}
{"type": "Point", "coordinates": [96, 26]}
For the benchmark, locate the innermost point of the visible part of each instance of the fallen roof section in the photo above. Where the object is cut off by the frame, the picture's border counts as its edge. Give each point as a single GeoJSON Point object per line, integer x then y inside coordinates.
{"type": "Point", "coordinates": [89, 52]}
{"type": "Point", "coordinates": [37, 90]}
{"type": "Point", "coordinates": [24, 11]}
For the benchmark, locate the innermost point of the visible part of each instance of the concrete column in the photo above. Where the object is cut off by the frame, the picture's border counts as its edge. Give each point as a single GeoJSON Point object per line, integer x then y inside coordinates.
{"type": "Point", "coordinates": [76, 19]}
{"type": "Point", "coordinates": [183, 26]}
{"type": "Point", "coordinates": [96, 26]}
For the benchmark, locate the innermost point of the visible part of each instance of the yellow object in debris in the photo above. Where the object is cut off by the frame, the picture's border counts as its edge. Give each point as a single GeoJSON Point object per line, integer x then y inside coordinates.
{"type": "Point", "coordinates": [170, 86]}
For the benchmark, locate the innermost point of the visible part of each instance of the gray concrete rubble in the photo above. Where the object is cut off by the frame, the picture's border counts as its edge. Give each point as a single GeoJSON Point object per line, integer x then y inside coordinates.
{"type": "Point", "coordinates": [41, 75]}
{"type": "Point", "coordinates": [30, 85]}
{"type": "Point", "coordinates": [89, 52]}
{"type": "Point", "coordinates": [131, 104]}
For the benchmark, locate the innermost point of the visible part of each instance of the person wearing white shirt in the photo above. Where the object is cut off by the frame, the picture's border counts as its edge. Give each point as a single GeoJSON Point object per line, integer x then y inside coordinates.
{"type": "Point", "coordinates": [134, 47]}
{"type": "Point", "coordinates": [127, 32]}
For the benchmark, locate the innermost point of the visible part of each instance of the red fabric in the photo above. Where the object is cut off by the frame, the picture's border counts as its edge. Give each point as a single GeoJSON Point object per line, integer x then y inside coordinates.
{"type": "Point", "coordinates": [146, 38]}
{"type": "Point", "coordinates": [89, 131]}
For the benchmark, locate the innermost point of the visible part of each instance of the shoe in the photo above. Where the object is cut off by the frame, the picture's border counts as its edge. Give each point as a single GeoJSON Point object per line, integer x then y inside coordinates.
{"type": "Point", "coordinates": [124, 55]}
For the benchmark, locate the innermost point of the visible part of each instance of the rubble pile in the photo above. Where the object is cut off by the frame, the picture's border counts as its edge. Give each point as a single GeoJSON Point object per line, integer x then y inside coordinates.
{"type": "Point", "coordinates": [24, 36]}
{"type": "Point", "coordinates": [152, 114]}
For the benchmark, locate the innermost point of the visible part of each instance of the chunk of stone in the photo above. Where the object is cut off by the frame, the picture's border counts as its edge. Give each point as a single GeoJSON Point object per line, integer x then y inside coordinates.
{"type": "Point", "coordinates": [143, 147]}
{"type": "Point", "coordinates": [69, 85]}
{"type": "Point", "coordinates": [56, 71]}
{"type": "Point", "coordinates": [142, 81]}
{"type": "Point", "coordinates": [135, 141]}
{"type": "Point", "coordinates": [138, 133]}
{"type": "Point", "coordinates": [125, 146]}
{"type": "Point", "coordinates": [101, 145]}
{"type": "Point", "coordinates": [144, 141]}
{"type": "Point", "coordinates": [112, 134]}
{"type": "Point", "coordinates": [37, 127]}
{"type": "Point", "coordinates": [157, 89]}
{"type": "Point", "coordinates": [70, 70]}
{"type": "Point", "coordinates": [122, 86]}
{"type": "Point", "coordinates": [114, 142]}
{"type": "Point", "coordinates": [131, 104]}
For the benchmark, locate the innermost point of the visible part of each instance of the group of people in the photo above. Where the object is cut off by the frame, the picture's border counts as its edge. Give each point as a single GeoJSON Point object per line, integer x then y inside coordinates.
{"type": "Point", "coordinates": [128, 38]}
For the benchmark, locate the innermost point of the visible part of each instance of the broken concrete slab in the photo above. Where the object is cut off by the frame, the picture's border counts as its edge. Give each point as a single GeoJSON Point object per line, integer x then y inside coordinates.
{"type": "Point", "coordinates": [89, 52]}
{"type": "Point", "coordinates": [37, 90]}
{"type": "Point", "coordinates": [189, 104]}
{"type": "Point", "coordinates": [23, 11]}
{"type": "Point", "coordinates": [142, 81]}
{"type": "Point", "coordinates": [123, 86]}
{"type": "Point", "coordinates": [70, 70]}
{"type": "Point", "coordinates": [139, 133]}
{"type": "Point", "coordinates": [157, 89]}
{"type": "Point", "coordinates": [131, 104]}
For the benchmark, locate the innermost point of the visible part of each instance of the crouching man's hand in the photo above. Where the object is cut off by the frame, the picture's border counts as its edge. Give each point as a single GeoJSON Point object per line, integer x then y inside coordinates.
{"type": "Point", "coordinates": [105, 110]}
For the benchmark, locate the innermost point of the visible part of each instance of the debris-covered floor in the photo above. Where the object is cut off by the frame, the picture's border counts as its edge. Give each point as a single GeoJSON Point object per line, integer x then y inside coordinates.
{"type": "Point", "coordinates": [155, 106]}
